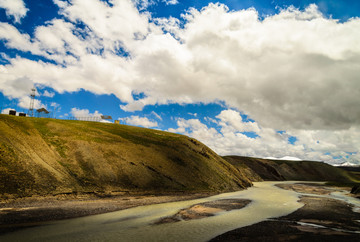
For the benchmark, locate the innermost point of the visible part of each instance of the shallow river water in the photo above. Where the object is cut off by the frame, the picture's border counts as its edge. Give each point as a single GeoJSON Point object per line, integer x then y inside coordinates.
{"type": "Point", "coordinates": [137, 224]}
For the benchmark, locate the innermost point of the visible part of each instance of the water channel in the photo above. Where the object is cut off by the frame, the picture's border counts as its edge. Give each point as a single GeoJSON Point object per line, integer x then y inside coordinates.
{"type": "Point", "coordinates": [137, 224]}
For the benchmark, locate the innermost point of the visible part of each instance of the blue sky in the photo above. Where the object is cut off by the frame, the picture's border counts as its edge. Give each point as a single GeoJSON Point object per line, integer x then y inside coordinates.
{"type": "Point", "coordinates": [255, 78]}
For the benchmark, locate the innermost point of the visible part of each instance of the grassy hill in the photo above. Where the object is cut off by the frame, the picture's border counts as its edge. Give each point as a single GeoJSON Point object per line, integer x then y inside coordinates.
{"type": "Point", "coordinates": [353, 170]}
{"type": "Point", "coordinates": [278, 170]}
{"type": "Point", "coordinates": [49, 156]}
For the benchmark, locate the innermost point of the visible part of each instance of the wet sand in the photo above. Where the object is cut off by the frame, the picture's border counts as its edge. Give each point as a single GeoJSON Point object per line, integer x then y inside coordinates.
{"type": "Point", "coordinates": [33, 211]}
{"type": "Point", "coordinates": [203, 210]}
{"type": "Point", "coordinates": [320, 219]}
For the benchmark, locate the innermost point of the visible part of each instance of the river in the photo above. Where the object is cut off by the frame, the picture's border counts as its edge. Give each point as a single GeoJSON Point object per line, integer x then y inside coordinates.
{"type": "Point", "coordinates": [137, 224]}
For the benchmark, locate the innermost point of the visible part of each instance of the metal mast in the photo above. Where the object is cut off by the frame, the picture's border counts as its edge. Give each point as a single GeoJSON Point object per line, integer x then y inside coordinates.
{"type": "Point", "coordinates": [31, 108]}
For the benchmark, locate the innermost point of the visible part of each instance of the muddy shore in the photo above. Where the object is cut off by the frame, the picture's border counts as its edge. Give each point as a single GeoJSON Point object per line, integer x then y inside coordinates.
{"type": "Point", "coordinates": [320, 219]}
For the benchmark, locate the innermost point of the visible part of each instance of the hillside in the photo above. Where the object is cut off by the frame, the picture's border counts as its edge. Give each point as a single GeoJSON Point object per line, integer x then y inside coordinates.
{"type": "Point", "coordinates": [49, 156]}
{"type": "Point", "coordinates": [353, 170]}
{"type": "Point", "coordinates": [278, 170]}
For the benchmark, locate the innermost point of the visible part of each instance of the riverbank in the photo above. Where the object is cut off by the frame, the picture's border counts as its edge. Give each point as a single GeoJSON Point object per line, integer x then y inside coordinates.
{"type": "Point", "coordinates": [34, 211]}
{"type": "Point", "coordinates": [218, 214]}
{"type": "Point", "coordinates": [320, 218]}
{"type": "Point", "coordinates": [264, 212]}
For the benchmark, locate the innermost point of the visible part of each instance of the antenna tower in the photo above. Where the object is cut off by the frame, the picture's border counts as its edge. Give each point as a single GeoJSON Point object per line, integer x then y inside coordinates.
{"type": "Point", "coordinates": [31, 108]}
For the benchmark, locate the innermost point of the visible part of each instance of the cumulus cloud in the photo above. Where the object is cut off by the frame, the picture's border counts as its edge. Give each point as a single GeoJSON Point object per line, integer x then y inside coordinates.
{"type": "Point", "coordinates": [48, 94]}
{"type": "Point", "coordinates": [232, 118]}
{"type": "Point", "coordinates": [24, 102]}
{"type": "Point", "coordinates": [6, 110]}
{"type": "Point", "coordinates": [170, 2]}
{"type": "Point", "coordinates": [16, 40]}
{"type": "Point", "coordinates": [55, 105]}
{"type": "Point", "coordinates": [105, 121]}
{"type": "Point", "coordinates": [84, 113]}
{"type": "Point", "coordinates": [139, 121]}
{"type": "Point", "coordinates": [229, 139]}
{"type": "Point", "coordinates": [14, 8]}
{"type": "Point", "coordinates": [144, 4]}
{"type": "Point", "coordinates": [296, 70]}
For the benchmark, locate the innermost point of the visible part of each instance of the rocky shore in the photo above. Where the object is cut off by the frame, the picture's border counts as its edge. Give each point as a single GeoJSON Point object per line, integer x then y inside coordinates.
{"type": "Point", "coordinates": [320, 219]}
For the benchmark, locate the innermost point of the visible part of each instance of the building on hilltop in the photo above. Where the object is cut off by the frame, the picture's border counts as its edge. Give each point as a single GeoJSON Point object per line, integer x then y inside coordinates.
{"type": "Point", "coordinates": [12, 112]}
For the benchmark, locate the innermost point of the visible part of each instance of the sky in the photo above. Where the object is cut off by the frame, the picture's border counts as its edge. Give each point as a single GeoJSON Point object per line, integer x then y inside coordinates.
{"type": "Point", "coordinates": [255, 78]}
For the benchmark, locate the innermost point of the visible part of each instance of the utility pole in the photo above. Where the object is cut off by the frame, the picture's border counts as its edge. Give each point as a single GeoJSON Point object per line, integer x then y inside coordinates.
{"type": "Point", "coordinates": [31, 108]}
{"type": "Point", "coordinates": [2, 103]}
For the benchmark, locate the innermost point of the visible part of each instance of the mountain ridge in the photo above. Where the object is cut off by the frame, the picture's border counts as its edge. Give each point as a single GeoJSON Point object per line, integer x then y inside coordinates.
{"type": "Point", "coordinates": [280, 170]}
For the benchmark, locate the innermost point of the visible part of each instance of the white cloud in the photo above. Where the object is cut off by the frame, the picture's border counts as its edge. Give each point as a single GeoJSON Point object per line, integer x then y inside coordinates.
{"type": "Point", "coordinates": [14, 8]}
{"type": "Point", "coordinates": [232, 118]}
{"type": "Point", "coordinates": [139, 121]}
{"type": "Point", "coordinates": [210, 120]}
{"type": "Point", "coordinates": [6, 110]}
{"type": "Point", "coordinates": [24, 102]}
{"type": "Point", "coordinates": [84, 113]}
{"type": "Point", "coordinates": [16, 40]}
{"type": "Point", "coordinates": [295, 70]}
{"type": "Point", "coordinates": [271, 144]}
{"type": "Point", "coordinates": [48, 94]}
{"type": "Point", "coordinates": [104, 21]}
{"type": "Point", "coordinates": [55, 105]}
{"type": "Point", "coordinates": [170, 2]}
{"type": "Point", "coordinates": [194, 128]}
{"type": "Point", "coordinates": [144, 4]}
{"type": "Point", "coordinates": [105, 121]}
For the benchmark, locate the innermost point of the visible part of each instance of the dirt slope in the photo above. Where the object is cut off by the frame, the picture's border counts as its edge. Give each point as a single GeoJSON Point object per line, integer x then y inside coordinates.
{"type": "Point", "coordinates": [278, 170]}
{"type": "Point", "coordinates": [48, 156]}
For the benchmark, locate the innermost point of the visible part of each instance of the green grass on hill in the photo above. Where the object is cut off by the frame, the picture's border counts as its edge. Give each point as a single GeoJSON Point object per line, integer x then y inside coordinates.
{"type": "Point", "coordinates": [49, 156]}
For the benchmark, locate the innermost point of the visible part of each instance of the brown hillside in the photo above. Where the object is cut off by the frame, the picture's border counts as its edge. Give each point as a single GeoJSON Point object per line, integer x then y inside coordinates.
{"type": "Point", "coordinates": [278, 170]}
{"type": "Point", "coordinates": [48, 156]}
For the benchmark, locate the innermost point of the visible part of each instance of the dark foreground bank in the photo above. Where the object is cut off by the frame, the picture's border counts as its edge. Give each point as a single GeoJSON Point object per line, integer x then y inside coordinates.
{"type": "Point", "coordinates": [320, 219]}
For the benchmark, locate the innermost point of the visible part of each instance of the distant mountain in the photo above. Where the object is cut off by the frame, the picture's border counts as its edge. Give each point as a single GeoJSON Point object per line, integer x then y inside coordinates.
{"type": "Point", "coordinates": [347, 164]}
{"type": "Point", "coordinates": [49, 156]}
{"type": "Point", "coordinates": [279, 170]}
